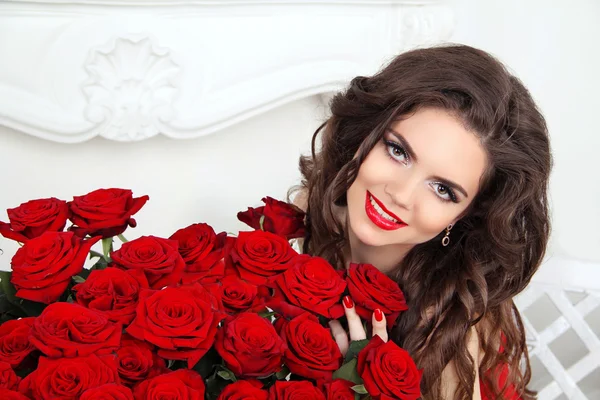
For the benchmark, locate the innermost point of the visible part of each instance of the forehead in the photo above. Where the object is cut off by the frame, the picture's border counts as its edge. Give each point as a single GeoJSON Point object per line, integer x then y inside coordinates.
{"type": "Point", "coordinates": [444, 146]}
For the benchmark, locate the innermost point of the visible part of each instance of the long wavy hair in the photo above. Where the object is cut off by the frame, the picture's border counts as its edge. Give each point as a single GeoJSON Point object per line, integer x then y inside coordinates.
{"type": "Point", "coordinates": [495, 247]}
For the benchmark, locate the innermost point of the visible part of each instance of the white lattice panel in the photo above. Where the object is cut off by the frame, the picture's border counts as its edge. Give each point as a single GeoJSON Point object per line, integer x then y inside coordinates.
{"type": "Point", "coordinates": [561, 313]}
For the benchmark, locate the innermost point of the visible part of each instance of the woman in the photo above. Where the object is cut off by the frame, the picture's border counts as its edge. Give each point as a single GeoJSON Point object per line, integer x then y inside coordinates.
{"type": "Point", "coordinates": [435, 170]}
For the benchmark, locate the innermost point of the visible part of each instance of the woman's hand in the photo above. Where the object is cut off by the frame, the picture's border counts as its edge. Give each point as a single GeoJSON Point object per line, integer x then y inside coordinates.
{"type": "Point", "coordinates": [355, 326]}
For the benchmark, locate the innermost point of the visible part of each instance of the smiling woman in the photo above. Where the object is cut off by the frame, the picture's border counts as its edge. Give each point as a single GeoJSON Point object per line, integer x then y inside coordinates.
{"type": "Point", "coordinates": [435, 171]}
{"type": "Point", "coordinates": [415, 182]}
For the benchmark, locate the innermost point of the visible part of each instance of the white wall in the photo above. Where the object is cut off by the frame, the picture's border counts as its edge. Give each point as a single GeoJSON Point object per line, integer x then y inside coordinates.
{"type": "Point", "coordinates": [554, 47]}
{"type": "Point", "coordinates": [184, 178]}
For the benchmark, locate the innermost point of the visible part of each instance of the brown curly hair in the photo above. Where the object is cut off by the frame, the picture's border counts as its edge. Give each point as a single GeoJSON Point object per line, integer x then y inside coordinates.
{"type": "Point", "coordinates": [496, 246]}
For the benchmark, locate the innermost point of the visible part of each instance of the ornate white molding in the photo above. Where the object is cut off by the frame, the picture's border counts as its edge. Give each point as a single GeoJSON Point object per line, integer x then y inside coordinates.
{"type": "Point", "coordinates": [131, 88]}
{"type": "Point", "coordinates": [130, 69]}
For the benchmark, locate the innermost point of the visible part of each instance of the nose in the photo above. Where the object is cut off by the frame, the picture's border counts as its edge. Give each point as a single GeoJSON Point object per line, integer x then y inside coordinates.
{"type": "Point", "coordinates": [403, 193]}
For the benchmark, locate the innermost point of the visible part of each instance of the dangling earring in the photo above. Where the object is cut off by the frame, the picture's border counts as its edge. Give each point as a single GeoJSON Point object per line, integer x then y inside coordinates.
{"type": "Point", "coordinates": [446, 239]}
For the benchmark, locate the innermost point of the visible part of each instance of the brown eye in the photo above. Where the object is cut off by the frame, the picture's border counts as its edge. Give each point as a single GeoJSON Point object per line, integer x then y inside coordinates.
{"type": "Point", "coordinates": [444, 192]}
{"type": "Point", "coordinates": [396, 151]}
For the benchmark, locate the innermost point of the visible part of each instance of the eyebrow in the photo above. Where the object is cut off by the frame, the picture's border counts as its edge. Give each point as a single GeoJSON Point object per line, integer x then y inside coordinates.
{"type": "Point", "coordinates": [413, 156]}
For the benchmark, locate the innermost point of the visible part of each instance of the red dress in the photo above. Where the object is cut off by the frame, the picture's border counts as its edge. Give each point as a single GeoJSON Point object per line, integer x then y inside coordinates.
{"type": "Point", "coordinates": [509, 393]}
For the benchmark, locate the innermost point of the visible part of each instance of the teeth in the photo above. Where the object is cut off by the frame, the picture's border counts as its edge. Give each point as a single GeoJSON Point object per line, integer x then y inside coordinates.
{"type": "Point", "coordinates": [381, 212]}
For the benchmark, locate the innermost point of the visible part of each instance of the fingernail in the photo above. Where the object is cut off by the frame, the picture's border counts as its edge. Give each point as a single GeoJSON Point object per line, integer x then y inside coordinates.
{"type": "Point", "coordinates": [378, 315]}
{"type": "Point", "coordinates": [348, 302]}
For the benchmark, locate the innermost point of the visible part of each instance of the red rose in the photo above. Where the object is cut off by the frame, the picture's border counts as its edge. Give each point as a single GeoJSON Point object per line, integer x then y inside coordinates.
{"type": "Point", "coordinates": [137, 361]}
{"type": "Point", "coordinates": [244, 390]}
{"type": "Point", "coordinates": [388, 371]}
{"type": "Point", "coordinates": [180, 384]}
{"type": "Point", "coordinates": [371, 289]}
{"type": "Point", "coordinates": [112, 292]}
{"type": "Point", "coordinates": [278, 217]}
{"type": "Point", "coordinates": [180, 321]}
{"type": "Point", "coordinates": [35, 217]}
{"type": "Point", "coordinates": [71, 330]}
{"type": "Point", "coordinates": [158, 258]}
{"type": "Point", "coordinates": [14, 340]}
{"type": "Point", "coordinates": [43, 267]}
{"type": "Point", "coordinates": [311, 350]}
{"type": "Point", "coordinates": [68, 378]}
{"type": "Point", "coordinates": [250, 346]}
{"type": "Point", "coordinates": [258, 255]}
{"type": "Point", "coordinates": [109, 391]}
{"type": "Point", "coordinates": [104, 212]}
{"type": "Point", "coordinates": [310, 284]}
{"type": "Point", "coordinates": [292, 390]}
{"type": "Point", "coordinates": [6, 394]}
{"type": "Point", "coordinates": [339, 389]}
{"type": "Point", "coordinates": [202, 250]}
{"type": "Point", "coordinates": [8, 378]}
{"type": "Point", "coordinates": [238, 295]}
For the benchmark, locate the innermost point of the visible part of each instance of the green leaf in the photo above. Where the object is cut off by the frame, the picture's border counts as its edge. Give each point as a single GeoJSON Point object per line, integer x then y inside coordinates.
{"type": "Point", "coordinates": [32, 308]}
{"type": "Point", "coordinates": [85, 273]}
{"type": "Point", "coordinates": [281, 375]}
{"type": "Point", "coordinates": [360, 389]}
{"type": "Point", "coordinates": [228, 376]}
{"type": "Point", "coordinates": [95, 254]}
{"type": "Point", "coordinates": [267, 314]}
{"type": "Point", "coordinates": [7, 288]}
{"type": "Point", "coordinates": [224, 372]}
{"type": "Point", "coordinates": [355, 347]}
{"type": "Point", "coordinates": [9, 310]}
{"type": "Point", "coordinates": [214, 387]}
{"type": "Point", "coordinates": [207, 363]}
{"type": "Point", "coordinates": [27, 307]}
{"type": "Point", "coordinates": [78, 279]}
{"type": "Point", "coordinates": [348, 372]}
{"type": "Point", "coordinates": [100, 264]}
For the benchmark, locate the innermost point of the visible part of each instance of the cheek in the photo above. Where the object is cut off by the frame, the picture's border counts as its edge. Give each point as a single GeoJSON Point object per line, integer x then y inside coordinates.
{"type": "Point", "coordinates": [432, 216]}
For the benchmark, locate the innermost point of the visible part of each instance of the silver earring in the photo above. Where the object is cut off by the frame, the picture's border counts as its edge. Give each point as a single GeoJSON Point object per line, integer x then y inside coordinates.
{"type": "Point", "coordinates": [446, 239]}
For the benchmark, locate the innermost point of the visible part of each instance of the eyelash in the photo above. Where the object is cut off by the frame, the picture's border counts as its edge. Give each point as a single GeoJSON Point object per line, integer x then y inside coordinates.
{"type": "Point", "coordinates": [396, 146]}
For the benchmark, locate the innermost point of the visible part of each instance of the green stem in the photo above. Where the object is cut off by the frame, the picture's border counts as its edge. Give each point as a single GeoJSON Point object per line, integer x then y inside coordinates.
{"type": "Point", "coordinates": [120, 236]}
{"type": "Point", "coordinates": [107, 247]}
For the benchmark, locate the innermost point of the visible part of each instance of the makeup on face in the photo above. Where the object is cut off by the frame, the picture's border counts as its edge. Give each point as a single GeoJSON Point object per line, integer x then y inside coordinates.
{"type": "Point", "coordinates": [380, 215]}
{"type": "Point", "coordinates": [421, 176]}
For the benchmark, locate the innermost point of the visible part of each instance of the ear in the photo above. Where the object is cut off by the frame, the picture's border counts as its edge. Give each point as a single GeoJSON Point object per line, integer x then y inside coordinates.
{"type": "Point", "coordinates": [454, 221]}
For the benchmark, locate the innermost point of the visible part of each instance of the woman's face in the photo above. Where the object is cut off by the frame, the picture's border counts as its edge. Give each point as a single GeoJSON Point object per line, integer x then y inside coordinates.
{"type": "Point", "coordinates": [416, 181]}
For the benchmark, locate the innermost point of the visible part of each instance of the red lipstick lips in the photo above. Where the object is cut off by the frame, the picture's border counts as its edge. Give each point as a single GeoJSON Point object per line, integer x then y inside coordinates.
{"type": "Point", "coordinates": [379, 220]}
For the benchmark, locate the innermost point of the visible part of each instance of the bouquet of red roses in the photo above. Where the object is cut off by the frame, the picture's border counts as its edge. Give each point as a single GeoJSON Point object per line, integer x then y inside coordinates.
{"type": "Point", "coordinates": [197, 315]}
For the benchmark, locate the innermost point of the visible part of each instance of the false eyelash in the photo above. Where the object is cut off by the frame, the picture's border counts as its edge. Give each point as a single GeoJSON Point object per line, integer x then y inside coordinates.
{"type": "Point", "coordinates": [396, 146]}
{"type": "Point", "coordinates": [451, 193]}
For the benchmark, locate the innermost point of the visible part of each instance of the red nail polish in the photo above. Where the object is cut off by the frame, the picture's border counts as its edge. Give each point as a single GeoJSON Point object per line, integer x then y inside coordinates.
{"type": "Point", "coordinates": [348, 302]}
{"type": "Point", "coordinates": [378, 315]}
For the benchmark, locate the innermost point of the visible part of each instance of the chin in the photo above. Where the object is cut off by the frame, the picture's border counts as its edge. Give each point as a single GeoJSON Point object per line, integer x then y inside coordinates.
{"type": "Point", "coordinates": [368, 234]}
